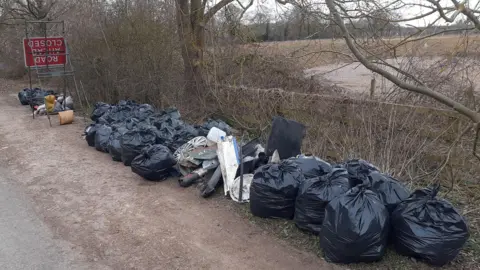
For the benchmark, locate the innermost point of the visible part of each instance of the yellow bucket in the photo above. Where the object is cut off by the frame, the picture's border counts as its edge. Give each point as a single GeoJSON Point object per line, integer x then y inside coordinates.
{"type": "Point", "coordinates": [65, 117]}
{"type": "Point", "coordinates": [50, 103]}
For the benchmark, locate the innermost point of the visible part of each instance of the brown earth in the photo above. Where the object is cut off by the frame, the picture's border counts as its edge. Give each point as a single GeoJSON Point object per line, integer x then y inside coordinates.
{"type": "Point", "coordinates": [113, 219]}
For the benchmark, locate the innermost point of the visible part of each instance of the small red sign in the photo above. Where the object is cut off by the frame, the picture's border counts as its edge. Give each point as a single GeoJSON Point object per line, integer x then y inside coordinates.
{"type": "Point", "coordinates": [41, 51]}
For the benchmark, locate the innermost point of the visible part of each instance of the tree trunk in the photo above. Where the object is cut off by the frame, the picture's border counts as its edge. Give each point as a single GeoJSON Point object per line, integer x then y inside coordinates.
{"type": "Point", "coordinates": [192, 41]}
{"type": "Point", "coordinates": [192, 54]}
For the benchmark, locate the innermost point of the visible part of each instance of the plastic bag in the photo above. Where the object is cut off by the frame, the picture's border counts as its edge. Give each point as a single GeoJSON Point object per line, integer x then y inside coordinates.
{"type": "Point", "coordinates": [355, 228]}
{"type": "Point", "coordinates": [143, 111]}
{"type": "Point", "coordinates": [274, 189]}
{"type": "Point", "coordinates": [117, 114]}
{"type": "Point", "coordinates": [90, 134]}
{"type": "Point", "coordinates": [114, 146]}
{"type": "Point", "coordinates": [154, 163]}
{"type": "Point", "coordinates": [133, 141]}
{"type": "Point", "coordinates": [36, 96]}
{"type": "Point", "coordinates": [314, 194]}
{"type": "Point", "coordinates": [183, 134]}
{"type": "Point", "coordinates": [312, 166]}
{"type": "Point", "coordinates": [23, 96]}
{"type": "Point", "coordinates": [390, 191]}
{"type": "Point", "coordinates": [358, 170]}
{"type": "Point", "coordinates": [210, 123]}
{"type": "Point", "coordinates": [100, 109]}
{"type": "Point", "coordinates": [428, 228]}
{"type": "Point", "coordinates": [102, 138]}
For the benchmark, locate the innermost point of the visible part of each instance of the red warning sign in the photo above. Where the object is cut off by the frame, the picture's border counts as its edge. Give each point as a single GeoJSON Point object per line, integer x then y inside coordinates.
{"type": "Point", "coordinates": [41, 51]}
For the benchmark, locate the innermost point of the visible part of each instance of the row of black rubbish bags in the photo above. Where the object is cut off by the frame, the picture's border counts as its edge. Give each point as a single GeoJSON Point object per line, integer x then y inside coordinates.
{"type": "Point", "coordinates": [356, 209]}
{"type": "Point", "coordinates": [143, 138]}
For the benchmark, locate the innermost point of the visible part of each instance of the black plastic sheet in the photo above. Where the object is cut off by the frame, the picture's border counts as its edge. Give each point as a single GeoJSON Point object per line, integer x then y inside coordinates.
{"type": "Point", "coordinates": [355, 228]}
{"type": "Point", "coordinates": [154, 163]}
{"type": "Point", "coordinates": [274, 189]}
{"type": "Point", "coordinates": [286, 137]}
{"type": "Point", "coordinates": [428, 228]}
{"type": "Point", "coordinates": [314, 194]}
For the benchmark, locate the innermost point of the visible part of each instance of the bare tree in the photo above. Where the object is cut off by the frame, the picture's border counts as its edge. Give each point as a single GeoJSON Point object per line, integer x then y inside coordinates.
{"type": "Point", "coordinates": [192, 18]}
{"type": "Point", "coordinates": [345, 13]}
{"type": "Point", "coordinates": [27, 9]}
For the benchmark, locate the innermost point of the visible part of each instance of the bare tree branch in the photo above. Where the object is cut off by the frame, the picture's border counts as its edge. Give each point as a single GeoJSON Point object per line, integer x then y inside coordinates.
{"type": "Point", "coordinates": [213, 10]}
{"type": "Point", "coordinates": [442, 13]}
{"type": "Point", "coordinates": [475, 141]}
{"type": "Point", "coordinates": [245, 8]}
{"type": "Point", "coordinates": [467, 12]}
{"type": "Point", "coordinates": [462, 109]}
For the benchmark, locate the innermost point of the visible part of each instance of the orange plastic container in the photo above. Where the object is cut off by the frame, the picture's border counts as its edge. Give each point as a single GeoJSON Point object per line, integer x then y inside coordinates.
{"type": "Point", "coordinates": [65, 117]}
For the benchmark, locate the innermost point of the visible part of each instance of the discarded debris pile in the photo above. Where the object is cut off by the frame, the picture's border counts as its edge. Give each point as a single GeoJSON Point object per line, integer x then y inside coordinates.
{"type": "Point", "coordinates": [43, 101]}
{"type": "Point", "coordinates": [354, 207]}
{"type": "Point", "coordinates": [138, 135]}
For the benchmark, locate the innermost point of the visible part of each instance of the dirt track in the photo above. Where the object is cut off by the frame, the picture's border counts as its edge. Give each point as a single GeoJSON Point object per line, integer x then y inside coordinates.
{"type": "Point", "coordinates": [113, 219]}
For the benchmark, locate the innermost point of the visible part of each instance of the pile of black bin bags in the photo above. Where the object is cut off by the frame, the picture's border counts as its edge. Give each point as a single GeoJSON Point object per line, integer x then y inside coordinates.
{"type": "Point", "coordinates": [357, 210]}
{"type": "Point", "coordinates": [142, 137]}
{"type": "Point", "coordinates": [34, 96]}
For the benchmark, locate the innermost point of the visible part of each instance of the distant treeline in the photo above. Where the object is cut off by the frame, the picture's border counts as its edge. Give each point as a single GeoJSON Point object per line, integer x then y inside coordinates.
{"type": "Point", "coordinates": [283, 31]}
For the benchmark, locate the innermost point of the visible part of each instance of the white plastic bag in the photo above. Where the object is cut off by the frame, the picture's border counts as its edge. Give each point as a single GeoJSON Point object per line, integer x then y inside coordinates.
{"type": "Point", "coordinates": [229, 158]}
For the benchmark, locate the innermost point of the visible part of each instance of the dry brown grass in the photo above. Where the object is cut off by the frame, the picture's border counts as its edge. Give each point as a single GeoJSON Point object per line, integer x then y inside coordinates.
{"type": "Point", "coordinates": [410, 143]}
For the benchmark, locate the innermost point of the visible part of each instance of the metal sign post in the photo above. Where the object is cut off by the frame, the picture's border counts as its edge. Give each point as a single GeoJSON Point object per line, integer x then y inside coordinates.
{"type": "Point", "coordinates": [48, 55]}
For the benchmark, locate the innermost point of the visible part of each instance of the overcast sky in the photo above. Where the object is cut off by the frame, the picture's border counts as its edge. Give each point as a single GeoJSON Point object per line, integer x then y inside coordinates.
{"type": "Point", "coordinates": [274, 9]}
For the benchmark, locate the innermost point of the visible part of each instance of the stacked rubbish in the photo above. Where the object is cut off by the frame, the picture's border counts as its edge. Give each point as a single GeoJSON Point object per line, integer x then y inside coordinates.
{"type": "Point", "coordinates": [156, 144]}
{"type": "Point", "coordinates": [358, 210]}
{"type": "Point", "coordinates": [43, 101]}
{"type": "Point", "coordinates": [34, 96]}
{"type": "Point", "coordinates": [354, 207]}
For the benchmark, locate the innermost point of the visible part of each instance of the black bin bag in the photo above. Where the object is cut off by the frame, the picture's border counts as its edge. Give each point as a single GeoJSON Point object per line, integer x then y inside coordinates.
{"type": "Point", "coordinates": [100, 109]}
{"type": "Point", "coordinates": [154, 163]}
{"type": "Point", "coordinates": [102, 138]}
{"type": "Point", "coordinates": [355, 228]}
{"type": "Point", "coordinates": [274, 189]}
{"type": "Point", "coordinates": [90, 134]}
{"type": "Point", "coordinates": [358, 171]}
{"type": "Point", "coordinates": [312, 166]}
{"type": "Point", "coordinates": [133, 141]}
{"type": "Point", "coordinates": [114, 146]}
{"type": "Point", "coordinates": [314, 194]}
{"type": "Point", "coordinates": [23, 96]}
{"type": "Point", "coordinates": [428, 228]}
{"type": "Point", "coordinates": [390, 191]}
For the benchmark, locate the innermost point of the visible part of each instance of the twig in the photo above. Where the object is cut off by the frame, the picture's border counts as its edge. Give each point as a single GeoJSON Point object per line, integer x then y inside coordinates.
{"type": "Point", "coordinates": [447, 159]}
{"type": "Point", "coordinates": [475, 141]}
